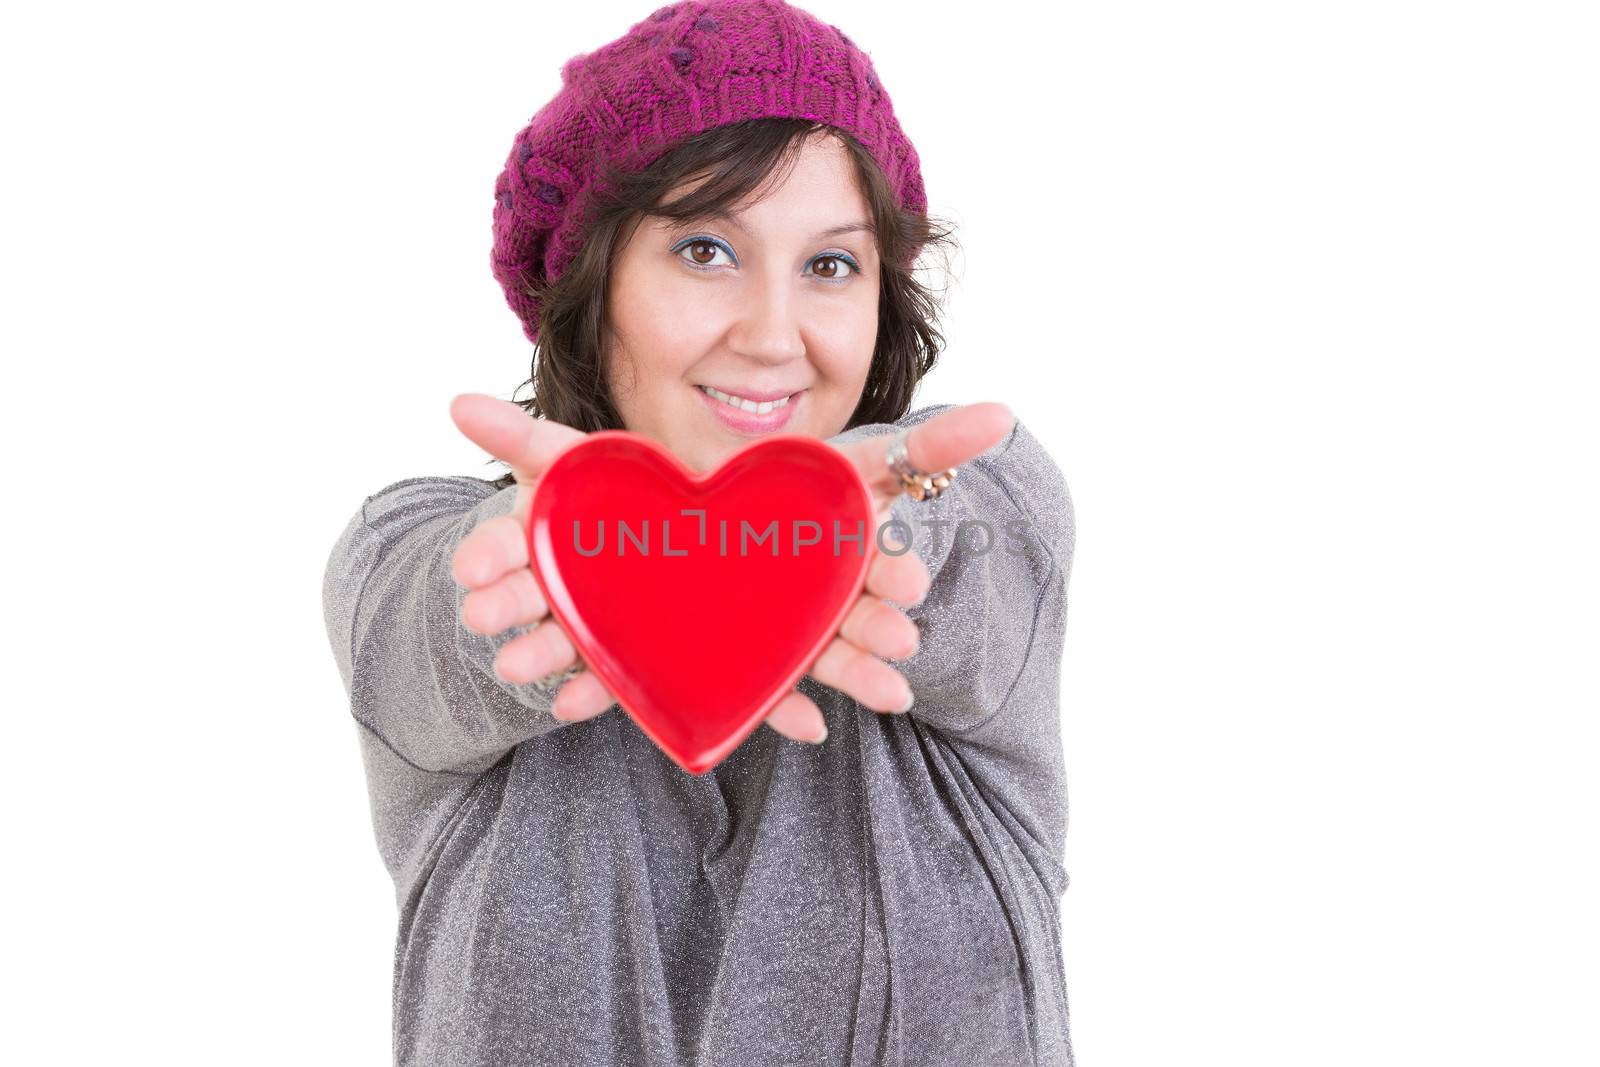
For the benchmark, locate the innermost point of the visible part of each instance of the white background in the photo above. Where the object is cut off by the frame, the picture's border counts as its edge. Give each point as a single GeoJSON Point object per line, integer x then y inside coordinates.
{"type": "Point", "coordinates": [1302, 297]}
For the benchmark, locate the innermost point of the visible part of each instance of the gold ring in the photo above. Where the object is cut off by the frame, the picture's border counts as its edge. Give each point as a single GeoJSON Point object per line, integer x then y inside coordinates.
{"type": "Point", "coordinates": [920, 484]}
{"type": "Point", "coordinates": [554, 679]}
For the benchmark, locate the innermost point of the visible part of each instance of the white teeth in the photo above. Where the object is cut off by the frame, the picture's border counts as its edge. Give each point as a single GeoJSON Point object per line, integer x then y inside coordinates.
{"type": "Point", "coordinates": [742, 404]}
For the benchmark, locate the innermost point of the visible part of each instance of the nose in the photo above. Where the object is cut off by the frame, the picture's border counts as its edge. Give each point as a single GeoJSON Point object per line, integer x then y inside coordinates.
{"type": "Point", "coordinates": [768, 326]}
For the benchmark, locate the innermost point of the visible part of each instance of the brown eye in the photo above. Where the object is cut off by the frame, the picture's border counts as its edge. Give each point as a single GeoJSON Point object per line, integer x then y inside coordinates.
{"type": "Point", "coordinates": [832, 272]}
{"type": "Point", "coordinates": [702, 251]}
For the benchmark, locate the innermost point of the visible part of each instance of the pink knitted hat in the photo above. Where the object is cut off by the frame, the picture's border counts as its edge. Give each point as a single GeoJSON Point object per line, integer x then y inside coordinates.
{"type": "Point", "coordinates": [688, 68]}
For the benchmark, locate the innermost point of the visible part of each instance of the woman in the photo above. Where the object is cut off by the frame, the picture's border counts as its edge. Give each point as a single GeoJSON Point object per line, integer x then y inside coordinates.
{"type": "Point", "coordinates": [708, 235]}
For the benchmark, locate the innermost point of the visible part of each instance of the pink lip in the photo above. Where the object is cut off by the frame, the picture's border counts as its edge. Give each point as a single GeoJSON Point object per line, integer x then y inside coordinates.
{"type": "Point", "coordinates": [746, 422]}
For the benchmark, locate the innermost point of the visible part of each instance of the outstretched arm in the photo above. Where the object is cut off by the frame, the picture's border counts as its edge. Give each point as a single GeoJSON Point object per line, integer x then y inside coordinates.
{"type": "Point", "coordinates": [416, 676]}
{"type": "Point", "coordinates": [998, 546]}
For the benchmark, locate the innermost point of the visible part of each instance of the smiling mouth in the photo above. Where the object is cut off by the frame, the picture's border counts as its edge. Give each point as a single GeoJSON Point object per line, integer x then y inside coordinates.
{"type": "Point", "coordinates": [749, 407]}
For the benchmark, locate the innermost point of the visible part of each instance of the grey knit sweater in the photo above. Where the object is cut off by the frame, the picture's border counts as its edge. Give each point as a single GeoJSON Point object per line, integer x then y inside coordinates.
{"type": "Point", "coordinates": [568, 896]}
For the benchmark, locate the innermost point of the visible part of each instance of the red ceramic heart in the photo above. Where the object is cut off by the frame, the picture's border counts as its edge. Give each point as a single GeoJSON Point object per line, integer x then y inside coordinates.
{"type": "Point", "coordinates": [700, 626]}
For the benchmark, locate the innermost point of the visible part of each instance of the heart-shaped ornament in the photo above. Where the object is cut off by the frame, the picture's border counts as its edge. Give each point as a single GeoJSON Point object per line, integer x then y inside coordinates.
{"type": "Point", "coordinates": [700, 600]}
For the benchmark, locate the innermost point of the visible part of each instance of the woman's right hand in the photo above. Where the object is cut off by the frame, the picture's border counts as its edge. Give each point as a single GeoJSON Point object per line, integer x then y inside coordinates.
{"type": "Point", "coordinates": [492, 563]}
{"type": "Point", "coordinates": [492, 560]}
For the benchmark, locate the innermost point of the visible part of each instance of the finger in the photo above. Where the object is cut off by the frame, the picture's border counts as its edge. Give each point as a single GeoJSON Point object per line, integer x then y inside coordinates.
{"type": "Point", "coordinates": [510, 434]}
{"type": "Point", "coordinates": [949, 439]}
{"type": "Point", "coordinates": [862, 676]}
{"type": "Point", "coordinates": [880, 629]}
{"type": "Point", "coordinates": [493, 548]}
{"type": "Point", "coordinates": [528, 657]}
{"type": "Point", "coordinates": [798, 718]}
{"type": "Point", "coordinates": [904, 579]}
{"type": "Point", "coordinates": [582, 697]}
{"type": "Point", "coordinates": [513, 600]}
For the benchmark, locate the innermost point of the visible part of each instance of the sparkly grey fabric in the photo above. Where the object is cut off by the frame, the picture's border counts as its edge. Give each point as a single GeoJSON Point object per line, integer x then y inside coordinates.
{"type": "Point", "coordinates": [568, 896]}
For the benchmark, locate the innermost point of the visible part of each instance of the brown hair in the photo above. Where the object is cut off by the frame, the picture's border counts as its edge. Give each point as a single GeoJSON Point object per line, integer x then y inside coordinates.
{"type": "Point", "coordinates": [568, 380]}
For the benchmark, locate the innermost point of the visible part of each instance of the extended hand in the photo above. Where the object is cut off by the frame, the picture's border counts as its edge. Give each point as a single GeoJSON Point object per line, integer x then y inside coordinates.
{"type": "Point", "coordinates": [492, 563]}
{"type": "Point", "coordinates": [850, 662]}
{"type": "Point", "coordinates": [492, 560]}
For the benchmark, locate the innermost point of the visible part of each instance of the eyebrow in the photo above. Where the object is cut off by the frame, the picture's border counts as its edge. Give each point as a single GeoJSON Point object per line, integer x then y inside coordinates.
{"type": "Point", "coordinates": [732, 218]}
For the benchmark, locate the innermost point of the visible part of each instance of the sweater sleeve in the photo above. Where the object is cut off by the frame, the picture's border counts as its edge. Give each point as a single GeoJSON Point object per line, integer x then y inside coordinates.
{"type": "Point", "coordinates": [417, 678]}
{"type": "Point", "coordinates": [998, 544]}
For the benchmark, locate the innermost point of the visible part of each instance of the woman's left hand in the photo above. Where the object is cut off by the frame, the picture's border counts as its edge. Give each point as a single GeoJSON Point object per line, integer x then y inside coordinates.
{"type": "Point", "coordinates": [872, 629]}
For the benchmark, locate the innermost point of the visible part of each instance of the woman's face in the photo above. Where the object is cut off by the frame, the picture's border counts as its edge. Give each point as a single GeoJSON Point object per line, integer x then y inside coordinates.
{"type": "Point", "coordinates": [780, 301]}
